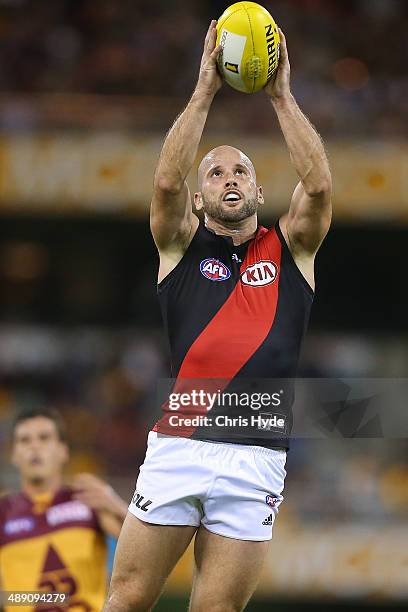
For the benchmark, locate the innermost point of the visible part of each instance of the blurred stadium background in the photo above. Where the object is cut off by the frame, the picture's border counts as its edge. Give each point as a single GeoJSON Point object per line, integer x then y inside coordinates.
{"type": "Point", "coordinates": [88, 89]}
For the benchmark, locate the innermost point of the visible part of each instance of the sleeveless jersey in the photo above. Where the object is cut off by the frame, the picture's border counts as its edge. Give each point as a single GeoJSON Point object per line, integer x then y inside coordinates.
{"type": "Point", "coordinates": [53, 545]}
{"type": "Point", "coordinates": [235, 317]}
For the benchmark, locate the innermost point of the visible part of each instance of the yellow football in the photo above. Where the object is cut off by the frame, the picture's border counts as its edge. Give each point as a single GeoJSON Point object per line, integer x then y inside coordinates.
{"type": "Point", "coordinates": [250, 44]}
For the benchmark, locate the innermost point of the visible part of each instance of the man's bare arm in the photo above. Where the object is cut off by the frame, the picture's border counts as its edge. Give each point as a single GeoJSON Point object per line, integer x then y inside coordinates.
{"type": "Point", "coordinates": [171, 216]}
{"type": "Point", "coordinates": [310, 211]}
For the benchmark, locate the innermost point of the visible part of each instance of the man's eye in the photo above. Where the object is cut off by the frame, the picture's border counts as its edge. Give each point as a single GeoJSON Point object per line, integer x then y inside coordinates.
{"type": "Point", "coordinates": [217, 173]}
{"type": "Point", "coordinates": [239, 171]}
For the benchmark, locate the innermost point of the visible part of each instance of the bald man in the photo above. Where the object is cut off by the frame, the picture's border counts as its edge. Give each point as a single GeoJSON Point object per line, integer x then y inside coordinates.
{"type": "Point", "coordinates": [236, 299]}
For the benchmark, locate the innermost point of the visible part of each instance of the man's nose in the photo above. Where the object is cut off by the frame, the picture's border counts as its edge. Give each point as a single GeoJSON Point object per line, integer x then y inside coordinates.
{"type": "Point", "coordinates": [231, 182]}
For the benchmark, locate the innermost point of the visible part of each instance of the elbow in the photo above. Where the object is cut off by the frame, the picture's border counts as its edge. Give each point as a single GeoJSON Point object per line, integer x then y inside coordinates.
{"type": "Point", "coordinates": [168, 185]}
{"type": "Point", "coordinates": [320, 189]}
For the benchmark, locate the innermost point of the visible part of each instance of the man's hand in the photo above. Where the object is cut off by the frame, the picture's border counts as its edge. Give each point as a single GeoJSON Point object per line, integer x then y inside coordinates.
{"type": "Point", "coordinates": [209, 79]}
{"type": "Point", "coordinates": [279, 85]}
{"type": "Point", "coordinates": [98, 495]}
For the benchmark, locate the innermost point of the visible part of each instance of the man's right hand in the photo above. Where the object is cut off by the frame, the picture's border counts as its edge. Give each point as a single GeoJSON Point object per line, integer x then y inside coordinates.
{"type": "Point", "coordinates": [209, 79]}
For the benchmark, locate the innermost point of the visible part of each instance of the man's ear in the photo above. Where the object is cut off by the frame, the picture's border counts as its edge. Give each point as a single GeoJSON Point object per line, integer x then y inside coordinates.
{"type": "Point", "coordinates": [260, 195]}
{"type": "Point", "coordinates": [198, 200]}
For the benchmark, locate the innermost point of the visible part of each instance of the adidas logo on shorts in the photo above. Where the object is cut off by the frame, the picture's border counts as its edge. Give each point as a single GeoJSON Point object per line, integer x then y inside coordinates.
{"type": "Point", "coordinates": [268, 520]}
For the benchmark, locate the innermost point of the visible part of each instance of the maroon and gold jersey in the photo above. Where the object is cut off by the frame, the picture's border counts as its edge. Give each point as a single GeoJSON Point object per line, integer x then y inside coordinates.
{"type": "Point", "coordinates": [53, 544]}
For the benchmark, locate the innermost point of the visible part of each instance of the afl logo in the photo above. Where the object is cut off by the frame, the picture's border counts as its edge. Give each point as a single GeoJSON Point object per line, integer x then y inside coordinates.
{"type": "Point", "coordinates": [214, 270]}
{"type": "Point", "coordinates": [271, 500]}
{"type": "Point", "coordinates": [260, 274]}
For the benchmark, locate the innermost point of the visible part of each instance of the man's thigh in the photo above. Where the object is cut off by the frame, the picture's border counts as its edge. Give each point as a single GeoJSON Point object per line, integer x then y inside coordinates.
{"type": "Point", "coordinates": [227, 572]}
{"type": "Point", "coordinates": [145, 555]}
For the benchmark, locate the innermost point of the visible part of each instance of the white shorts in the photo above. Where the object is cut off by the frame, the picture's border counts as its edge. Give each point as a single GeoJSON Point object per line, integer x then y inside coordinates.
{"type": "Point", "coordinates": [232, 489]}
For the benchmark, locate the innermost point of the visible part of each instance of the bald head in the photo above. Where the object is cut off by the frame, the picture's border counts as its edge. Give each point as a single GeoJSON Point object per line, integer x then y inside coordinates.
{"type": "Point", "coordinates": [218, 156]}
{"type": "Point", "coordinates": [227, 189]}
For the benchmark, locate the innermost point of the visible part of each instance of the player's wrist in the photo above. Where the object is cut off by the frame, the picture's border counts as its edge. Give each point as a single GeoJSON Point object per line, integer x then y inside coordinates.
{"type": "Point", "coordinates": [282, 98]}
{"type": "Point", "coordinates": [203, 95]}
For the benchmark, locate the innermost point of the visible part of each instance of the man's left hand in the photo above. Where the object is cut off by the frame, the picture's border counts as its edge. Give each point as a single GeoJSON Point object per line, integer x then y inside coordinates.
{"type": "Point", "coordinates": [279, 84]}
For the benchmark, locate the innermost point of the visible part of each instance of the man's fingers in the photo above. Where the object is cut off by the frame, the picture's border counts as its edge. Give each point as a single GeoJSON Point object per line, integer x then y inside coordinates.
{"type": "Point", "coordinates": [213, 35]}
{"type": "Point", "coordinates": [82, 498]}
{"type": "Point", "coordinates": [87, 499]}
{"type": "Point", "coordinates": [86, 486]}
{"type": "Point", "coordinates": [207, 36]}
{"type": "Point", "coordinates": [211, 41]}
{"type": "Point", "coordinates": [216, 52]}
{"type": "Point", "coordinates": [85, 476]}
{"type": "Point", "coordinates": [283, 47]}
{"type": "Point", "coordinates": [79, 485]}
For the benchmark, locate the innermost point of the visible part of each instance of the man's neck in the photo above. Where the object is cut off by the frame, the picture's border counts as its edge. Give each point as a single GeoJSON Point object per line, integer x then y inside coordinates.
{"type": "Point", "coordinates": [41, 487]}
{"type": "Point", "coordinates": [240, 232]}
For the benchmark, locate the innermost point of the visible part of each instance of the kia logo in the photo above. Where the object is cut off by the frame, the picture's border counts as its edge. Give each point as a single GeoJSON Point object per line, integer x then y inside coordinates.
{"type": "Point", "coordinates": [260, 274]}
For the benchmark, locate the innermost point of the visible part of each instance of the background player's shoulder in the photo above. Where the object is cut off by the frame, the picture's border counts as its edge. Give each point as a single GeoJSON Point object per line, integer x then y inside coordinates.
{"type": "Point", "coordinates": [11, 499]}
{"type": "Point", "coordinates": [12, 504]}
{"type": "Point", "coordinates": [4, 502]}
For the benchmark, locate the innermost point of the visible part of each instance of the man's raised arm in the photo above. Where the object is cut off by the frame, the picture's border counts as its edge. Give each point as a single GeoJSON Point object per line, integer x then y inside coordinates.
{"type": "Point", "coordinates": [171, 218]}
{"type": "Point", "coordinates": [310, 210]}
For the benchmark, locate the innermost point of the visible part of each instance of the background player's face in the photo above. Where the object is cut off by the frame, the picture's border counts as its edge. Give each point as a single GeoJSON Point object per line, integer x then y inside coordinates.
{"type": "Point", "coordinates": [38, 452]}
{"type": "Point", "coordinates": [222, 171]}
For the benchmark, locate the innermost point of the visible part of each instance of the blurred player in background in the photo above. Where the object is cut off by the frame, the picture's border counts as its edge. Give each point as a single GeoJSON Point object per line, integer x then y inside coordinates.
{"type": "Point", "coordinates": [250, 324]}
{"type": "Point", "coordinates": [52, 536]}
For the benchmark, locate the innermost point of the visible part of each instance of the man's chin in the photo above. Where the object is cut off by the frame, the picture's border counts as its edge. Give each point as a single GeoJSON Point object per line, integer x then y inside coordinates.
{"type": "Point", "coordinates": [36, 476]}
{"type": "Point", "coordinates": [234, 215]}
{"type": "Point", "coordinates": [231, 214]}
